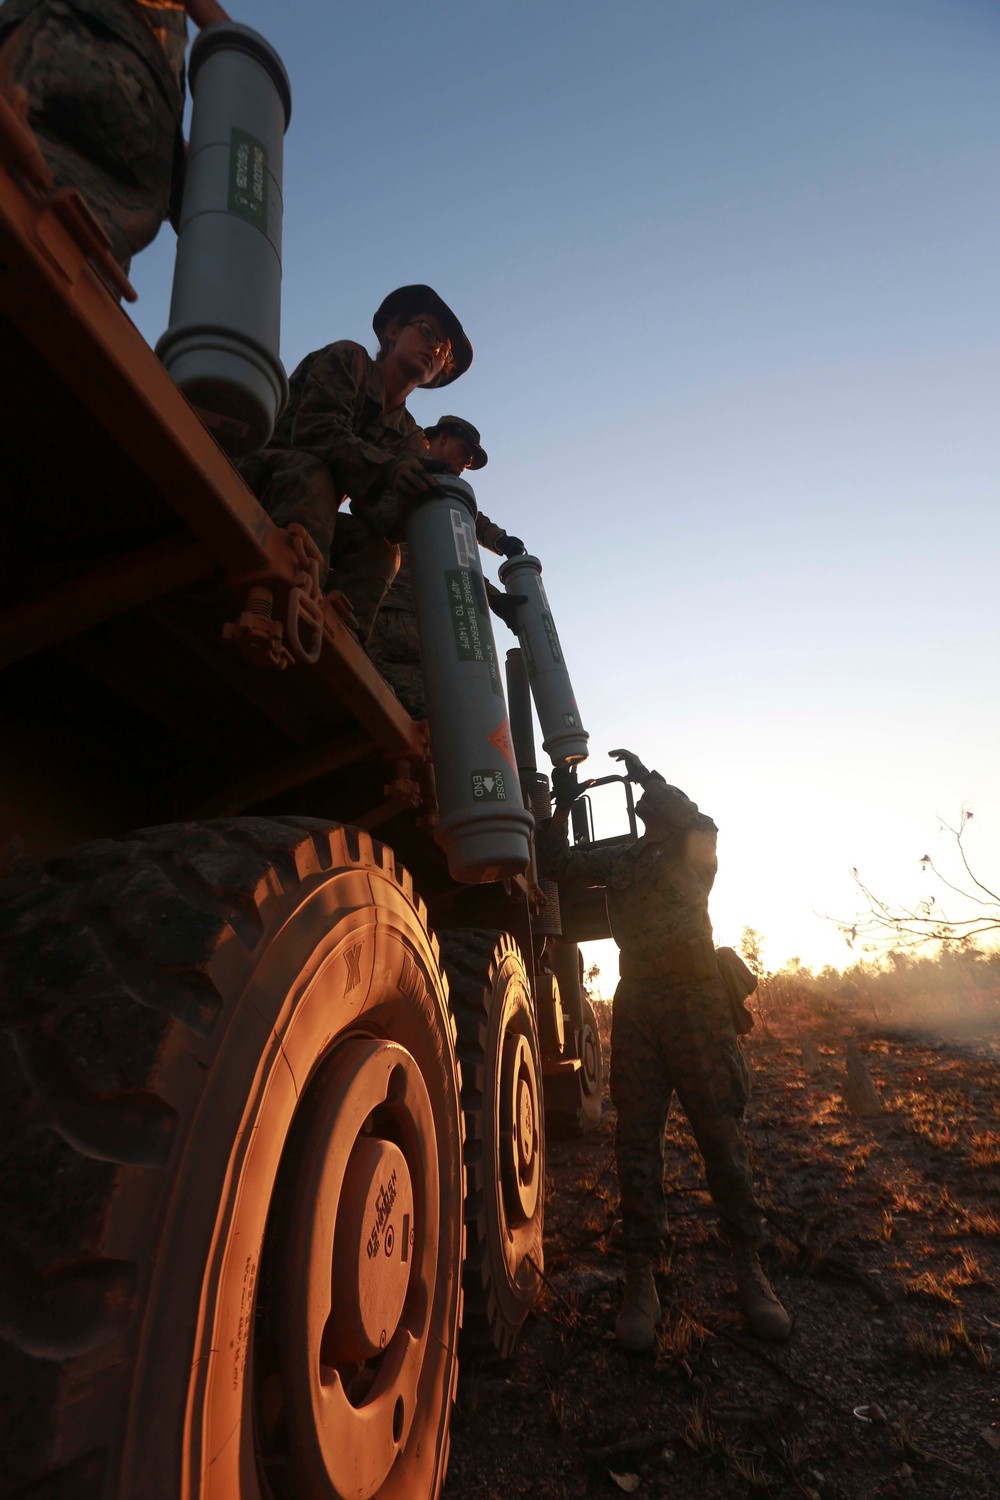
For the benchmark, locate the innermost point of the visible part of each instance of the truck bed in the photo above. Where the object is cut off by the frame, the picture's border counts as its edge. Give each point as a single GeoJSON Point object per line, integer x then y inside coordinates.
{"type": "Point", "coordinates": [129, 542]}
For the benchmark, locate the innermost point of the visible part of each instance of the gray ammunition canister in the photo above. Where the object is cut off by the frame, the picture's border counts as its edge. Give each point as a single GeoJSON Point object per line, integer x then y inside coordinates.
{"type": "Point", "coordinates": [563, 735]}
{"type": "Point", "coordinates": [221, 347]}
{"type": "Point", "coordinates": [484, 827]}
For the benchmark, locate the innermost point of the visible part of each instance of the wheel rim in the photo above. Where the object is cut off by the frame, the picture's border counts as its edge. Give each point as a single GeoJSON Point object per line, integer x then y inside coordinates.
{"type": "Point", "coordinates": [359, 1275]}
{"type": "Point", "coordinates": [590, 1060]}
{"type": "Point", "coordinates": [519, 1142]}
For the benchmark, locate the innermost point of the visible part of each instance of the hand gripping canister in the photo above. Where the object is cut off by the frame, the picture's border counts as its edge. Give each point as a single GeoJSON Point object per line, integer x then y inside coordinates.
{"type": "Point", "coordinates": [225, 311]}
{"type": "Point", "coordinates": [484, 826]}
{"type": "Point", "coordinates": [563, 735]}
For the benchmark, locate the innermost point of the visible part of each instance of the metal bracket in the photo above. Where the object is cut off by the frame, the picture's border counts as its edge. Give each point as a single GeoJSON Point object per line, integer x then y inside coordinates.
{"type": "Point", "coordinates": [305, 599]}
{"type": "Point", "coordinates": [256, 633]}
{"type": "Point", "coordinates": [69, 209]}
{"type": "Point", "coordinates": [268, 641]}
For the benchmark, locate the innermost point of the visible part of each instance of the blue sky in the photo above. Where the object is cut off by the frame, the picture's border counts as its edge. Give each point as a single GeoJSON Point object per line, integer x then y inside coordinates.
{"type": "Point", "coordinates": [730, 268]}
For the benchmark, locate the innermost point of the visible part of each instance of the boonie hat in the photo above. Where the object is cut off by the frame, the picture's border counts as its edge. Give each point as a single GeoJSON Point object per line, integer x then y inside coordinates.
{"type": "Point", "coordinates": [409, 301]}
{"type": "Point", "coordinates": [465, 430]}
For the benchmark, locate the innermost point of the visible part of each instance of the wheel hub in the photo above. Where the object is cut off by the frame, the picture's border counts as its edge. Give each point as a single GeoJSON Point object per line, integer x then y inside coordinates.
{"type": "Point", "coordinates": [519, 1162]}
{"type": "Point", "coordinates": [359, 1270]}
{"type": "Point", "coordinates": [588, 1056]}
{"type": "Point", "coordinates": [371, 1249]}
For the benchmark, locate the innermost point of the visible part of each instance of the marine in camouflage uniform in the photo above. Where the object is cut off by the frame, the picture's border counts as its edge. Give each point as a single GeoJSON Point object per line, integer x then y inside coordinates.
{"type": "Point", "coordinates": [104, 81]}
{"type": "Point", "coordinates": [394, 640]}
{"type": "Point", "coordinates": [672, 1032]}
{"type": "Point", "coordinates": [346, 432]}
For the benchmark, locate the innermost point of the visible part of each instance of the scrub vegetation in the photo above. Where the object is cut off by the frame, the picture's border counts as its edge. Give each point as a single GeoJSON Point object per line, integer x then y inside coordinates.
{"type": "Point", "coordinates": [886, 1249]}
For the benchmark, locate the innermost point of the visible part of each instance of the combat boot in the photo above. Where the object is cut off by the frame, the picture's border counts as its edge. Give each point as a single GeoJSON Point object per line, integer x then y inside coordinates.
{"type": "Point", "coordinates": [635, 1328]}
{"type": "Point", "coordinates": [764, 1313]}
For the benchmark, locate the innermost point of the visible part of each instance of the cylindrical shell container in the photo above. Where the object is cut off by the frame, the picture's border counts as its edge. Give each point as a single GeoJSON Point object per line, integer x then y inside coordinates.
{"type": "Point", "coordinates": [484, 826]}
{"type": "Point", "coordinates": [221, 347]}
{"type": "Point", "coordinates": [563, 735]}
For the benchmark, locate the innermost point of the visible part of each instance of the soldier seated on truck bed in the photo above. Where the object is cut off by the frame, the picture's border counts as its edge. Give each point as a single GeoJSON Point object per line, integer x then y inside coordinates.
{"type": "Point", "coordinates": [394, 642]}
{"type": "Point", "coordinates": [104, 85]}
{"type": "Point", "coordinates": [346, 431]}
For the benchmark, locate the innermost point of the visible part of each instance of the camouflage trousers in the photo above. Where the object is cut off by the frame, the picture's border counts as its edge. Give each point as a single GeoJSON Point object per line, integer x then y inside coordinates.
{"type": "Point", "coordinates": [296, 486]}
{"type": "Point", "coordinates": [362, 564]}
{"type": "Point", "coordinates": [102, 124]}
{"type": "Point", "coordinates": [671, 1036]}
{"type": "Point", "coordinates": [394, 647]}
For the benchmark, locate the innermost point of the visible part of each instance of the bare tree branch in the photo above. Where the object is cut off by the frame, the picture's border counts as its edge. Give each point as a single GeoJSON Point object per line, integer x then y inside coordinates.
{"type": "Point", "coordinates": [886, 927]}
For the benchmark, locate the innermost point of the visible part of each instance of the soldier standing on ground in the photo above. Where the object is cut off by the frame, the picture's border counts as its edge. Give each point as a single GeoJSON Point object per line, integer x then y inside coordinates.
{"type": "Point", "coordinates": [394, 641]}
{"type": "Point", "coordinates": [672, 1030]}
{"type": "Point", "coordinates": [346, 431]}
{"type": "Point", "coordinates": [104, 85]}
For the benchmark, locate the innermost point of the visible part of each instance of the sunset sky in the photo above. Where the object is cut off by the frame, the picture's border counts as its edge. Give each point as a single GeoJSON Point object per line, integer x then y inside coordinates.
{"type": "Point", "coordinates": [731, 269]}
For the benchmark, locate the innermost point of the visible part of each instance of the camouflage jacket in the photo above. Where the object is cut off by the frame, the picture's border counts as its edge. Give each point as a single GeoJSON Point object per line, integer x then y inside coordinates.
{"type": "Point", "coordinates": [656, 889]}
{"type": "Point", "coordinates": [136, 24]}
{"type": "Point", "coordinates": [334, 412]}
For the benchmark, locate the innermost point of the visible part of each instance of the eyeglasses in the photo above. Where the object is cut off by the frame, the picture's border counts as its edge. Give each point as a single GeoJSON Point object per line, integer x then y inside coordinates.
{"type": "Point", "coordinates": [436, 341]}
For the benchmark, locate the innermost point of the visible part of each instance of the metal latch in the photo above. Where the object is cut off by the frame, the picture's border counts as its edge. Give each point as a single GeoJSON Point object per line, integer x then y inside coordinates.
{"type": "Point", "coordinates": [275, 643]}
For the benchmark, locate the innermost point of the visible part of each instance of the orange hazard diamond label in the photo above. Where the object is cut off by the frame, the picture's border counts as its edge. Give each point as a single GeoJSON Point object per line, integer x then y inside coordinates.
{"type": "Point", "coordinates": [501, 738]}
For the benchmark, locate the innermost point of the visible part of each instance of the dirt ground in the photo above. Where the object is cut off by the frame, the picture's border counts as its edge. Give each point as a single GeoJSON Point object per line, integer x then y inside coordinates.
{"type": "Point", "coordinates": [886, 1248]}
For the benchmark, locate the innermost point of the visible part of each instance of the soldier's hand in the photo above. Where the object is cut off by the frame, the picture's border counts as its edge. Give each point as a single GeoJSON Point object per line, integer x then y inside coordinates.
{"type": "Point", "coordinates": [506, 606]}
{"type": "Point", "coordinates": [633, 766]}
{"type": "Point", "coordinates": [409, 480]}
{"type": "Point", "coordinates": [510, 546]}
{"type": "Point", "coordinates": [565, 787]}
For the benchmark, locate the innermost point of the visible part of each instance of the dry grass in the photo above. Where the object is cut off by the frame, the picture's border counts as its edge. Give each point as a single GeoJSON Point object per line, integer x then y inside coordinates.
{"type": "Point", "coordinates": [904, 1200]}
{"type": "Point", "coordinates": [985, 1149]}
{"type": "Point", "coordinates": [901, 1439]}
{"type": "Point", "coordinates": [939, 1347]}
{"type": "Point", "coordinates": [969, 1272]}
{"type": "Point", "coordinates": [751, 1471]}
{"type": "Point", "coordinates": [702, 1436]}
{"type": "Point", "coordinates": [796, 1453]}
{"type": "Point", "coordinates": [930, 1285]}
{"type": "Point", "coordinates": [934, 1349]}
{"type": "Point", "coordinates": [981, 1224]}
{"type": "Point", "coordinates": [681, 1337]}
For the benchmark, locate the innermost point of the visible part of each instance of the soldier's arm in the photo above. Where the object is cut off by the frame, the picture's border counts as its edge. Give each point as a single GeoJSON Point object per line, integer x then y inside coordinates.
{"type": "Point", "coordinates": [700, 850]}
{"type": "Point", "coordinates": [488, 533]}
{"type": "Point", "coordinates": [566, 866]}
{"type": "Point", "coordinates": [496, 539]}
{"type": "Point", "coordinates": [205, 12]}
{"type": "Point", "coordinates": [325, 424]}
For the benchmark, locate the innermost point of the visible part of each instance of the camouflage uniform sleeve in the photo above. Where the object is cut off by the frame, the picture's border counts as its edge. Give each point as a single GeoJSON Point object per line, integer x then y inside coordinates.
{"type": "Point", "coordinates": [488, 532]}
{"type": "Point", "coordinates": [327, 418]}
{"type": "Point", "coordinates": [699, 849]}
{"type": "Point", "coordinates": [566, 866]}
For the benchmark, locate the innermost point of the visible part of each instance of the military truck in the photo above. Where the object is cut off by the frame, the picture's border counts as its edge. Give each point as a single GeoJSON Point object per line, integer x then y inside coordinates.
{"type": "Point", "coordinates": [272, 1079]}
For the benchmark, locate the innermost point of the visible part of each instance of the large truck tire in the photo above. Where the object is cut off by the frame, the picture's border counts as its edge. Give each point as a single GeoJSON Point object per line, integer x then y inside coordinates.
{"type": "Point", "coordinates": [501, 1075]}
{"type": "Point", "coordinates": [231, 1177]}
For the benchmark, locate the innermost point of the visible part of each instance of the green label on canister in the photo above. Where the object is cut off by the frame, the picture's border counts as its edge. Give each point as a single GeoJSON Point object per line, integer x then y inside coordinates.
{"type": "Point", "coordinates": [553, 640]}
{"type": "Point", "coordinates": [473, 636]}
{"type": "Point", "coordinates": [248, 178]}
